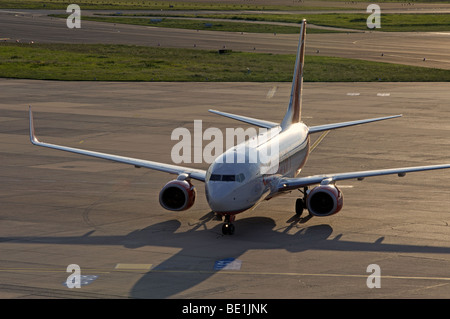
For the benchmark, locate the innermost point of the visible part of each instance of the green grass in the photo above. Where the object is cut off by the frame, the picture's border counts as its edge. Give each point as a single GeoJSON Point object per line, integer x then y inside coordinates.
{"type": "Point", "coordinates": [389, 22]}
{"type": "Point", "coordinates": [195, 24]}
{"type": "Point", "coordinates": [100, 62]}
{"type": "Point", "coordinates": [209, 25]}
{"type": "Point", "coordinates": [399, 1]}
{"type": "Point", "coordinates": [174, 5]}
{"type": "Point", "coordinates": [178, 5]}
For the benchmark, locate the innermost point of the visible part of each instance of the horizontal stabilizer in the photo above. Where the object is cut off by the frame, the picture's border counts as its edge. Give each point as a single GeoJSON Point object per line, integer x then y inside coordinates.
{"type": "Point", "coordinates": [245, 119]}
{"type": "Point", "coordinates": [327, 127]}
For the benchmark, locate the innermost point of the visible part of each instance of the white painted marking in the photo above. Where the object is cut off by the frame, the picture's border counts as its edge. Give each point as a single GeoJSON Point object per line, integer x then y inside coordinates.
{"type": "Point", "coordinates": [271, 92]}
{"type": "Point", "coordinates": [84, 280]}
{"type": "Point", "coordinates": [228, 264]}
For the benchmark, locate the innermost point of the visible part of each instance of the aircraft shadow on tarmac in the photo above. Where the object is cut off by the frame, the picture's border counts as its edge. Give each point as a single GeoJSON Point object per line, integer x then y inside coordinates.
{"type": "Point", "coordinates": [194, 263]}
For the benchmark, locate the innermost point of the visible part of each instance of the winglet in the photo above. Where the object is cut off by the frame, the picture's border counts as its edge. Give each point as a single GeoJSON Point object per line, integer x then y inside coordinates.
{"type": "Point", "coordinates": [293, 114]}
{"type": "Point", "coordinates": [33, 137]}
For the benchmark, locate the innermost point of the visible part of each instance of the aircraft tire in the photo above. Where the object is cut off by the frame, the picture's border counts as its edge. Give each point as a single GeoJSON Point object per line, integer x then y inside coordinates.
{"type": "Point", "coordinates": [299, 206]}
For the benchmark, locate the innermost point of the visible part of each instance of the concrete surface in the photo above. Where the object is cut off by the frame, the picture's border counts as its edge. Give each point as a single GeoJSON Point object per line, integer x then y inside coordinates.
{"type": "Point", "coordinates": [58, 209]}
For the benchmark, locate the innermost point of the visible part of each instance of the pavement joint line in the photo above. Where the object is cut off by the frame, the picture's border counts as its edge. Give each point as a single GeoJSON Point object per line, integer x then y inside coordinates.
{"type": "Point", "coordinates": [123, 267]}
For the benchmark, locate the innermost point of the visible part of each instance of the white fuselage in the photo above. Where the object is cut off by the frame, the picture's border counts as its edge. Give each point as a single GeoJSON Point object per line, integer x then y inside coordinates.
{"type": "Point", "coordinates": [236, 183]}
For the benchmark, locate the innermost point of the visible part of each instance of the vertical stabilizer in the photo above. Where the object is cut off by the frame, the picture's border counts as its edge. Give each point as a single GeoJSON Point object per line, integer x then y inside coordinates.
{"type": "Point", "coordinates": [294, 111]}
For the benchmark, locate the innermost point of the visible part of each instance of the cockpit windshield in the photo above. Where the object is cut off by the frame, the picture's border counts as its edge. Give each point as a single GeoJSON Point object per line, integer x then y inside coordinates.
{"type": "Point", "coordinates": [227, 178]}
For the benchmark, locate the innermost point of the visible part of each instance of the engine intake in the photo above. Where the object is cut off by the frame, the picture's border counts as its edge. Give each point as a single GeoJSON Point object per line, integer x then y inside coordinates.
{"type": "Point", "coordinates": [177, 195]}
{"type": "Point", "coordinates": [324, 200]}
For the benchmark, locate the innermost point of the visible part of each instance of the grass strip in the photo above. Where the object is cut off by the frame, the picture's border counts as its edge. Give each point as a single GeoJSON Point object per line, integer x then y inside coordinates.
{"type": "Point", "coordinates": [412, 22]}
{"type": "Point", "coordinates": [208, 25]}
{"type": "Point", "coordinates": [101, 62]}
{"type": "Point", "coordinates": [173, 5]}
{"type": "Point", "coordinates": [389, 22]}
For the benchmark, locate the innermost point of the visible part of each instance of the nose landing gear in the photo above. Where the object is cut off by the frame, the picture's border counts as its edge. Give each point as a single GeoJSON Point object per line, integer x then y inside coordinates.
{"type": "Point", "coordinates": [228, 227]}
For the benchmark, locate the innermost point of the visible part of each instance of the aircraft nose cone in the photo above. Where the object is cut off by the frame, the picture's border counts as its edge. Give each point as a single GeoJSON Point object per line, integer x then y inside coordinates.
{"type": "Point", "coordinates": [221, 199]}
{"type": "Point", "coordinates": [219, 202]}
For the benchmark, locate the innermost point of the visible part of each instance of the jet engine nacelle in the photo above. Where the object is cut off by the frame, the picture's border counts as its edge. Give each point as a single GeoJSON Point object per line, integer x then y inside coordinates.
{"type": "Point", "coordinates": [324, 200]}
{"type": "Point", "coordinates": [177, 195]}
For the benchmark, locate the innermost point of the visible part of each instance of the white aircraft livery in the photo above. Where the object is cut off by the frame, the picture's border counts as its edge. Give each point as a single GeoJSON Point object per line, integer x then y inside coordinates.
{"type": "Point", "coordinates": [233, 187]}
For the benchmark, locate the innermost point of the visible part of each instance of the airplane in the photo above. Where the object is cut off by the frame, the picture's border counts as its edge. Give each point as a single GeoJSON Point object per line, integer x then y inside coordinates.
{"type": "Point", "coordinates": [232, 187]}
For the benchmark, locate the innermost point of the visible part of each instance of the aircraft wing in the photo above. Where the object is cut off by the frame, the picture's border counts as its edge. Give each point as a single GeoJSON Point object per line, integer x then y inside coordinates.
{"type": "Point", "coordinates": [294, 183]}
{"type": "Point", "coordinates": [168, 168]}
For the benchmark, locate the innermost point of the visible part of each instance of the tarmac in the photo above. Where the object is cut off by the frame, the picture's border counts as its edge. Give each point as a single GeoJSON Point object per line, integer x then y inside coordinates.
{"type": "Point", "coordinates": [59, 209]}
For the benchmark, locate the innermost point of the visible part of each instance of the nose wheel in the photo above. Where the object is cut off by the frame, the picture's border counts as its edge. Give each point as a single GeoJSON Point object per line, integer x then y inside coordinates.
{"type": "Point", "coordinates": [228, 227]}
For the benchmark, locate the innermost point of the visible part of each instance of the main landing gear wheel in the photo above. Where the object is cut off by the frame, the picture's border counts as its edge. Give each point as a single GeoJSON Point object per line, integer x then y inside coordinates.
{"type": "Point", "coordinates": [228, 227]}
{"type": "Point", "coordinates": [300, 203]}
{"type": "Point", "coordinates": [299, 206]}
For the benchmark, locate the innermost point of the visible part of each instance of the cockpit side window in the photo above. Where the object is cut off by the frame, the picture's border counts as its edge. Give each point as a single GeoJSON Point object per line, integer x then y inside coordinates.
{"type": "Point", "coordinates": [240, 178]}
{"type": "Point", "coordinates": [215, 177]}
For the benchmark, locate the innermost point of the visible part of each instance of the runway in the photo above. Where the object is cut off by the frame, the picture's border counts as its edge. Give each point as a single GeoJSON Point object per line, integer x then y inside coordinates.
{"type": "Point", "coordinates": [427, 49]}
{"type": "Point", "coordinates": [59, 209]}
